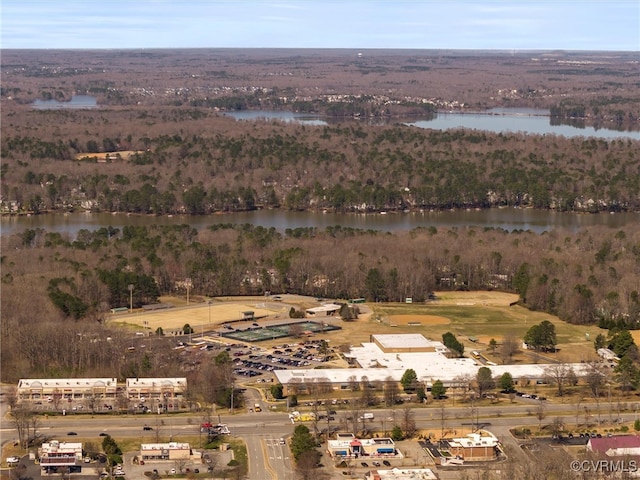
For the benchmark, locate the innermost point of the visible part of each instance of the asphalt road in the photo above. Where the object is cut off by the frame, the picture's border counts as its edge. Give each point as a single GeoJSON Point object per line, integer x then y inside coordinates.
{"type": "Point", "coordinates": [268, 459]}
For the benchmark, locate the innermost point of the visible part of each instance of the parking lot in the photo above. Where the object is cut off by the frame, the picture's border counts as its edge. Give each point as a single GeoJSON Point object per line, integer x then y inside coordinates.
{"type": "Point", "coordinates": [210, 460]}
{"type": "Point", "coordinates": [252, 363]}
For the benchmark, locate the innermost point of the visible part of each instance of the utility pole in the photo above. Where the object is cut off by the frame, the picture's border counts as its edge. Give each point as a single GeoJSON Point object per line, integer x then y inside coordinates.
{"type": "Point", "coordinates": [130, 287]}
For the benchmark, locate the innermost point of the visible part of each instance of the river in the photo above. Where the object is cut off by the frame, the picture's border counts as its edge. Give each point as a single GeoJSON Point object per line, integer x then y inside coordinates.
{"type": "Point", "coordinates": [509, 219]}
{"type": "Point", "coordinates": [496, 120]}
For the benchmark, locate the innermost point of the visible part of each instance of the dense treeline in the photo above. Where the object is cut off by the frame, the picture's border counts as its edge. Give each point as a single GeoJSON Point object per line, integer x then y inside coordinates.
{"type": "Point", "coordinates": [212, 164]}
{"type": "Point", "coordinates": [583, 277]}
{"type": "Point", "coordinates": [166, 107]}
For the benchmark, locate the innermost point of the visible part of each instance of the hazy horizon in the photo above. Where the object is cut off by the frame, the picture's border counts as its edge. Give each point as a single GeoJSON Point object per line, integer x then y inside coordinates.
{"type": "Point", "coordinates": [494, 25]}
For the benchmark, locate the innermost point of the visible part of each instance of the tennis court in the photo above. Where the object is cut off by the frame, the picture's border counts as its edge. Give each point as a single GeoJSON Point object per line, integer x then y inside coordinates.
{"type": "Point", "coordinates": [256, 334]}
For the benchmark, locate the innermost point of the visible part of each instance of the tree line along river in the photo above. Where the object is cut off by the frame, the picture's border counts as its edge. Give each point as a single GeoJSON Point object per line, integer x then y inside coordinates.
{"type": "Point", "coordinates": [496, 120]}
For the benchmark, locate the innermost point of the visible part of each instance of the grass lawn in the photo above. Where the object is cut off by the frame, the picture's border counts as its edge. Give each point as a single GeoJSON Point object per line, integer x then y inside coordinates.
{"type": "Point", "coordinates": [480, 316]}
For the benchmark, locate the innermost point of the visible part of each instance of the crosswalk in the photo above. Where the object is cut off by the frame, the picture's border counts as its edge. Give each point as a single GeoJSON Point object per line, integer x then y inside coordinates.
{"type": "Point", "coordinates": [277, 450]}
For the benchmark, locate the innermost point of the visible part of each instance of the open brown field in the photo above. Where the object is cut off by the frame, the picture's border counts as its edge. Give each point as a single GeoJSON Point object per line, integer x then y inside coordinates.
{"type": "Point", "coordinates": [198, 315]}
{"type": "Point", "coordinates": [119, 155]}
{"type": "Point", "coordinates": [474, 317]}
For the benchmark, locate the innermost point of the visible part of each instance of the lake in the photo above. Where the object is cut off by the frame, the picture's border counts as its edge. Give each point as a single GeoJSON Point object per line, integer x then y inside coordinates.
{"type": "Point", "coordinates": [509, 219]}
{"type": "Point", "coordinates": [497, 120]}
{"type": "Point", "coordinates": [78, 102]}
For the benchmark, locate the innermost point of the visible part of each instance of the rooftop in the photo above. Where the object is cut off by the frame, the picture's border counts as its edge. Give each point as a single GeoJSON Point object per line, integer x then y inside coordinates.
{"type": "Point", "coordinates": [346, 442]}
{"type": "Point", "coordinates": [165, 446]}
{"type": "Point", "coordinates": [406, 340]}
{"type": "Point", "coordinates": [156, 382]}
{"type": "Point", "coordinates": [403, 474]}
{"type": "Point", "coordinates": [619, 442]}
{"type": "Point", "coordinates": [481, 439]}
{"type": "Point", "coordinates": [66, 382]}
{"type": "Point", "coordinates": [377, 365]}
{"type": "Point", "coordinates": [55, 446]}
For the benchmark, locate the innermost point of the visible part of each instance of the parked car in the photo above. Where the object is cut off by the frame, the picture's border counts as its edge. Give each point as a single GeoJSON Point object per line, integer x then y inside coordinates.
{"type": "Point", "coordinates": [13, 459]}
{"type": "Point", "coordinates": [376, 464]}
{"type": "Point", "coordinates": [364, 464]}
{"type": "Point", "coordinates": [386, 463]}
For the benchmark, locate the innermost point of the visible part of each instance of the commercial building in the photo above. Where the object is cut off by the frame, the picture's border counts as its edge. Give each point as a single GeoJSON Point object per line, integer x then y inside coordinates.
{"type": "Point", "coordinates": [60, 457]}
{"type": "Point", "coordinates": [475, 447]}
{"type": "Point", "coordinates": [67, 388]}
{"type": "Point", "coordinates": [155, 388]}
{"type": "Point", "coordinates": [165, 451]}
{"type": "Point", "coordinates": [401, 474]}
{"type": "Point", "coordinates": [388, 357]}
{"type": "Point", "coordinates": [346, 445]}
{"type": "Point", "coordinates": [61, 389]}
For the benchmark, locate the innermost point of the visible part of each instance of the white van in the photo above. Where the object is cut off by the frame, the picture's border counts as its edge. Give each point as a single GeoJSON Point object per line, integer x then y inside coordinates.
{"type": "Point", "coordinates": [367, 416]}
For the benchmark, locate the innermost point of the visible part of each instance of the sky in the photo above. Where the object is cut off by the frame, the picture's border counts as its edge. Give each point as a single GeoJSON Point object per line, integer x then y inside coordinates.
{"type": "Point", "coordinates": [416, 24]}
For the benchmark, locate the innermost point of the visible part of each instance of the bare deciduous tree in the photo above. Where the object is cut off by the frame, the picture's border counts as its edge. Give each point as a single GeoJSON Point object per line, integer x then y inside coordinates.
{"type": "Point", "coordinates": [557, 373]}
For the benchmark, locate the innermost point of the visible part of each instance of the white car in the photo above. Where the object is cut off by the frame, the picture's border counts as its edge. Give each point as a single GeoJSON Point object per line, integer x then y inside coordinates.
{"type": "Point", "coordinates": [13, 459]}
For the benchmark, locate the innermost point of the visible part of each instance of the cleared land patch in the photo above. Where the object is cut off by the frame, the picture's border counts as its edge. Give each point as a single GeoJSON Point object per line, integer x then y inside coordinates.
{"type": "Point", "coordinates": [199, 316]}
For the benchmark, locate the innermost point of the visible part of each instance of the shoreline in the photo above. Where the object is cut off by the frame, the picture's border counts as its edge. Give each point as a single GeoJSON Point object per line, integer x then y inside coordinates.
{"type": "Point", "coordinates": [313, 211]}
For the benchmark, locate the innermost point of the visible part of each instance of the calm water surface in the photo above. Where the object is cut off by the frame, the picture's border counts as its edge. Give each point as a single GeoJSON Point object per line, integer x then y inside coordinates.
{"type": "Point", "coordinates": [497, 120]}
{"type": "Point", "coordinates": [77, 102]}
{"type": "Point", "coordinates": [526, 120]}
{"type": "Point", "coordinates": [505, 218]}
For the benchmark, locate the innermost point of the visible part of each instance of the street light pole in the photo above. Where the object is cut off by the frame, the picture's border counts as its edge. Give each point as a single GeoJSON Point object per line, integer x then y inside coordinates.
{"type": "Point", "coordinates": [188, 286]}
{"type": "Point", "coordinates": [130, 287]}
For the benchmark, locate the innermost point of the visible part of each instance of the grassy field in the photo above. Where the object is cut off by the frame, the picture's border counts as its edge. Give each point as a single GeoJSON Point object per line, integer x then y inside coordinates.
{"type": "Point", "coordinates": [478, 315]}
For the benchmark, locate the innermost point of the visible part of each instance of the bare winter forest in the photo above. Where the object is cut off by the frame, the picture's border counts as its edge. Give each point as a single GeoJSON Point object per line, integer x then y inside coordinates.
{"type": "Point", "coordinates": [171, 150]}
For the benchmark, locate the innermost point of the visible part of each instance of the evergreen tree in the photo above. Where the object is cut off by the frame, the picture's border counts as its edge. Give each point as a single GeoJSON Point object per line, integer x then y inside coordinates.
{"type": "Point", "coordinates": [506, 382]}
{"type": "Point", "coordinates": [438, 390]}
{"type": "Point", "coordinates": [301, 441]}
{"type": "Point", "coordinates": [409, 380]}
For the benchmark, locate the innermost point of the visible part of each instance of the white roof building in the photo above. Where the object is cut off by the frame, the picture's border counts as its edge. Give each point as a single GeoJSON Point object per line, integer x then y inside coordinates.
{"type": "Point", "coordinates": [60, 454]}
{"type": "Point", "coordinates": [390, 356]}
{"type": "Point", "coordinates": [402, 474]}
{"type": "Point", "coordinates": [165, 451]}
{"type": "Point", "coordinates": [155, 387]}
{"type": "Point", "coordinates": [36, 388]}
{"type": "Point", "coordinates": [326, 308]}
{"type": "Point", "coordinates": [607, 354]}
{"type": "Point", "coordinates": [347, 445]}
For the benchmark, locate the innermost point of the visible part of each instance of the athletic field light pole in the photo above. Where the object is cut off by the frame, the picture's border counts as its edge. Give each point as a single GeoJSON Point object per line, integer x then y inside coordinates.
{"type": "Point", "coordinates": [130, 287]}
